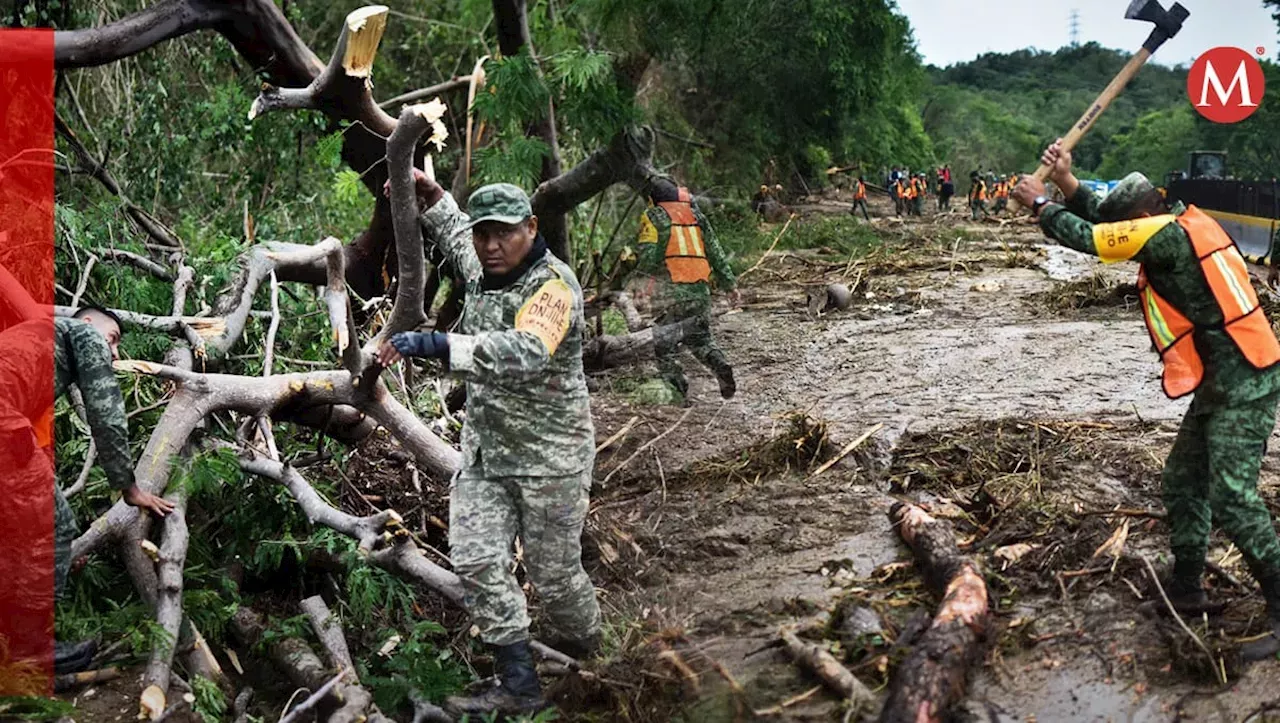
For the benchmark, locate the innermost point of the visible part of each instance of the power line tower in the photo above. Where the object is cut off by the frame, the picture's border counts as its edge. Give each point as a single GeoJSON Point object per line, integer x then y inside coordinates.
{"type": "Point", "coordinates": [1075, 28]}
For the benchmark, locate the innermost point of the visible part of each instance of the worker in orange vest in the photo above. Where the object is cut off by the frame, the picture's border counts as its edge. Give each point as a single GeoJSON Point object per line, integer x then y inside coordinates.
{"type": "Point", "coordinates": [679, 251]}
{"type": "Point", "coordinates": [860, 198]}
{"type": "Point", "coordinates": [1001, 196]}
{"type": "Point", "coordinates": [977, 195]}
{"type": "Point", "coordinates": [919, 191]}
{"type": "Point", "coordinates": [901, 191]}
{"type": "Point", "coordinates": [1215, 342]}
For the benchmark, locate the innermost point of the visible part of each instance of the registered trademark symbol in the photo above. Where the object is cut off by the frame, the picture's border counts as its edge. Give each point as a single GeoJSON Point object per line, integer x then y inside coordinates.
{"type": "Point", "coordinates": [1260, 50]}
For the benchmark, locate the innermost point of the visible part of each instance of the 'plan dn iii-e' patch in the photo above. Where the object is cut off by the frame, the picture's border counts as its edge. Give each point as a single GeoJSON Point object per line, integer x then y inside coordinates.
{"type": "Point", "coordinates": [547, 314]}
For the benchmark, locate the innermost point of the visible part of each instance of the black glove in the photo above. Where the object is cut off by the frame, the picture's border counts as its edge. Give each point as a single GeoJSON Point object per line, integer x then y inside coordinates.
{"type": "Point", "coordinates": [431, 344]}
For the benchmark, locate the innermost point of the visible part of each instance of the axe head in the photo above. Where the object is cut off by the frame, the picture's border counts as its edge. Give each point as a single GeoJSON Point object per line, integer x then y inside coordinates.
{"type": "Point", "coordinates": [1167, 22]}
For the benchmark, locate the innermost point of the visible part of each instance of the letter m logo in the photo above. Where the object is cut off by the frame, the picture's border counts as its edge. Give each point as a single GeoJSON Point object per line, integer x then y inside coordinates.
{"type": "Point", "coordinates": [1234, 100]}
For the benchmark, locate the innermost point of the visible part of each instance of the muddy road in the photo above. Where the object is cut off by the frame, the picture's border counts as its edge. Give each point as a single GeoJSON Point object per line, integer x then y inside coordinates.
{"type": "Point", "coordinates": [1013, 392]}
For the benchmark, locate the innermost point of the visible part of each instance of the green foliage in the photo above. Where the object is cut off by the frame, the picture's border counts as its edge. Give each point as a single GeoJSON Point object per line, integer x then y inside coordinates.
{"type": "Point", "coordinates": [211, 702]}
{"type": "Point", "coordinates": [32, 708]}
{"type": "Point", "coordinates": [418, 663]}
{"type": "Point", "coordinates": [374, 592]}
{"type": "Point", "coordinates": [1157, 143]}
{"type": "Point", "coordinates": [999, 110]}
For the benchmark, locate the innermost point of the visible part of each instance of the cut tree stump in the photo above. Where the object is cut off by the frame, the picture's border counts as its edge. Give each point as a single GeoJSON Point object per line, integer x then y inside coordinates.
{"type": "Point", "coordinates": [932, 678]}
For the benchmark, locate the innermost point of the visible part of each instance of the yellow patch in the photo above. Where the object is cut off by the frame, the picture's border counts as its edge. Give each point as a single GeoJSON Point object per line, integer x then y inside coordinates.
{"type": "Point", "coordinates": [648, 233]}
{"type": "Point", "coordinates": [1122, 240]}
{"type": "Point", "coordinates": [547, 314]}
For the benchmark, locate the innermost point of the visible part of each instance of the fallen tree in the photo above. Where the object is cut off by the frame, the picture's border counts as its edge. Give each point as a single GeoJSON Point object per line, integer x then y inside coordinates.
{"type": "Point", "coordinates": [932, 678]}
{"type": "Point", "coordinates": [349, 400]}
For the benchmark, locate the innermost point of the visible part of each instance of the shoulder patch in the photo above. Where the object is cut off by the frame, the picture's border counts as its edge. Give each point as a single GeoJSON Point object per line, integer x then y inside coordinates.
{"type": "Point", "coordinates": [648, 232]}
{"type": "Point", "coordinates": [1123, 240]}
{"type": "Point", "coordinates": [547, 314]}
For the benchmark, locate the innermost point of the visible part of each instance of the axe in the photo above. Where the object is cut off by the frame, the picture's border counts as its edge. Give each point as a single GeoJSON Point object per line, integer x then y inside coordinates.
{"type": "Point", "coordinates": [1167, 24]}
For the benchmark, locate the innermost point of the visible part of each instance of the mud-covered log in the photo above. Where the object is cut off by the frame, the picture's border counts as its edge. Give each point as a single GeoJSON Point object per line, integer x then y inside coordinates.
{"type": "Point", "coordinates": [932, 678]}
{"type": "Point", "coordinates": [606, 352]}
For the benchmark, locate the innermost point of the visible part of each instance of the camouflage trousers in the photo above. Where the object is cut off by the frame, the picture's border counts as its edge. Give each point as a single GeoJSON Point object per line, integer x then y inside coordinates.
{"type": "Point", "coordinates": [1212, 476]}
{"type": "Point", "coordinates": [917, 205]}
{"type": "Point", "coordinates": [1000, 205]}
{"type": "Point", "coordinates": [860, 204]}
{"type": "Point", "coordinates": [669, 334]}
{"type": "Point", "coordinates": [978, 207]}
{"type": "Point", "coordinates": [64, 533]}
{"type": "Point", "coordinates": [486, 514]}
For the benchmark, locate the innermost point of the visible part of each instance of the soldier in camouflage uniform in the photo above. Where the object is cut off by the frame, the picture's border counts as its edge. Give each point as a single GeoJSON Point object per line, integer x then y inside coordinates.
{"type": "Point", "coordinates": [528, 445]}
{"type": "Point", "coordinates": [1192, 282]}
{"type": "Point", "coordinates": [679, 253]}
{"type": "Point", "coordinates": [81, 354]}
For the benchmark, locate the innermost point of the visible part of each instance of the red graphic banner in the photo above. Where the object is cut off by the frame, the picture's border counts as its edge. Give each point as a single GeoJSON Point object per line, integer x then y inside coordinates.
{"type": "Point", "coordinates": [26, 362]}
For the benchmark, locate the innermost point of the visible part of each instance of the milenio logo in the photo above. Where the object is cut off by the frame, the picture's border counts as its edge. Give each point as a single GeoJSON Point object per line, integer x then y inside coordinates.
{"type": "Point", "coordinates": [1226, 84]}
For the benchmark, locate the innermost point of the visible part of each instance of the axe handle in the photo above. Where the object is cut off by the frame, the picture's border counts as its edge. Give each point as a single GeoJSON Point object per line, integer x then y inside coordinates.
{"type": "Point", "coordinates": [1087, 120]}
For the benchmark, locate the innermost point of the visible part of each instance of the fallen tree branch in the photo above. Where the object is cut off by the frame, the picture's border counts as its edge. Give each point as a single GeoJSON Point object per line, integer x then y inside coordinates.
{"type": "Point", "coordinates": [137, 261]}
{"type": "Point", "coordinates": [768, 251]}
{"type": "Point", "coordinates": [932, 678]}
{"type": "Point", "coordinates": [168, 607]}
{"type": "Point", "coordinates": [407, 312]}
{"type": "Point", "coordinates": [848, 448]}
{"type": "Point", "coordinates": [315, 697]}
{"type": "Point", "coordinates": [1213, 663]}
{"type": "Point", "coordinates": [329, 632]}
{"type": "Point", "coordinates": [458, 82]}
{"type": "Point", "coordinates": [97, 170]}
{"type": "Point", "coordinates": [66, 682]}
{"type": "Point", "coordinates": [647, 445]}
{"type": "Point", "coordinates": [835, 676]}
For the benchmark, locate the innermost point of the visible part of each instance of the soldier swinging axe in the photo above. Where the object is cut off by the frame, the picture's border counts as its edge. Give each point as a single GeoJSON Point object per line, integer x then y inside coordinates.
{"type": "Point", "coordinates": [1167, 24]}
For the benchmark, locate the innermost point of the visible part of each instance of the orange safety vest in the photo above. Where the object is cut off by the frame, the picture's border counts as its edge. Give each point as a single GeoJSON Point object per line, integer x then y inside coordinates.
{"type": "Point", "coordinates": [978, 191]}
{"type": "Point", "coordinates": [686, 251]}
{"type": "Point", "coordinates": [1246, 323]}
{"type": "Point", "coordinates": [861, 191]}
{"type": "Point", "coordinates": [1002, 190]}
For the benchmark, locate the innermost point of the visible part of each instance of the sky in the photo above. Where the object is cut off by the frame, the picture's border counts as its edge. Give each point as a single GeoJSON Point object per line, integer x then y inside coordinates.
{"type": "Point", "coordinates": [954, 31]}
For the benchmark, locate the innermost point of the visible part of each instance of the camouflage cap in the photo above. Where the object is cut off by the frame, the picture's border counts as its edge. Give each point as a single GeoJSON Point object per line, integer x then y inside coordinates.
{"type": "Point", "coordinates": [501, 202]}
{"type": "Point", "coordinates": [1133, 193]}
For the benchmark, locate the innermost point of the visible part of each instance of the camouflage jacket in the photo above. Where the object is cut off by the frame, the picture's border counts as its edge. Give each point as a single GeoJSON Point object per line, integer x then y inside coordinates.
{"type": "Point", "coordinates": [519, 350]}
{"type": "Point", "coordinates": [79, 356]}
{"type": "Point", "coordinates": [652, 255]}
{"type": "Point", "coordinates": [1174, 271]}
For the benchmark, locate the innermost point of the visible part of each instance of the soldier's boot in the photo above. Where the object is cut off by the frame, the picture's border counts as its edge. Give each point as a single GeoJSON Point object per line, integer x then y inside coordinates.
{"type": "Point", "coordinates": [73, 657]}
{"type": "Point", "coordinates": [1269, 646]}
{"type": "Point", "coordinates": [577, 648]}
{"type": "Point", "coordinates": [1189, 598]}
{"type": "Point", "coordinates": [728, 387]}
{"type": "Point", "coordinates": [517, 693]}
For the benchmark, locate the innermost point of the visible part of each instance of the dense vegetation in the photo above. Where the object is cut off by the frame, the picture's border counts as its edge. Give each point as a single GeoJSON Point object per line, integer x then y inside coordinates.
{"type": "Point", "coordinates": [736, 91]}
{"type": "Point", "coordinates": [998, 110]}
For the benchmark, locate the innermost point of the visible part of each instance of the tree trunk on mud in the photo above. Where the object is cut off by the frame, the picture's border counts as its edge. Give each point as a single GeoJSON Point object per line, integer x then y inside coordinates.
{"type": "Point", "coordinates": [932, 678]}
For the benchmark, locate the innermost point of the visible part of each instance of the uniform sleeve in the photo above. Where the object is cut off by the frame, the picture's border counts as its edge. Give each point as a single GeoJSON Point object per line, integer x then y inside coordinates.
{"type": "Point", "coordinates": [103, 403]}
{"type": "Point", "coordinates": [447, 232]}
{"type": "Point", "coordinates": [1153, 240]}
{"type": "Point", "coordinates": [520, 353]}
{"type": "Point", "coordinates": [715, 254]}
{"type": "Point", "coordinates": [1084, 203]}
{"type": "Point", "coordinates": [650, 253]}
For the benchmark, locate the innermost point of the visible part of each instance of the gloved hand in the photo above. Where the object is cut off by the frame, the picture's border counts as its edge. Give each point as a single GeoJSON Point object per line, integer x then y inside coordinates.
{"type": "Point", "coordinates": [433, 344]}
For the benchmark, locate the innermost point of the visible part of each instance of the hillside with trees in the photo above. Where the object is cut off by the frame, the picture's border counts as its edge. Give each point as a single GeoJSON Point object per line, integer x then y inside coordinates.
{"type": "Point", "coordinates": [998, 110]}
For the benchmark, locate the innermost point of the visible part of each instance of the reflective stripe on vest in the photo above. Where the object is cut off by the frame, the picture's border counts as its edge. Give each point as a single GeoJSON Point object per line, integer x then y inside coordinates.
{"type": "Point", "coordinates": [1228, 278]}
{"type": "Point", "coordinates": [686, 253]}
